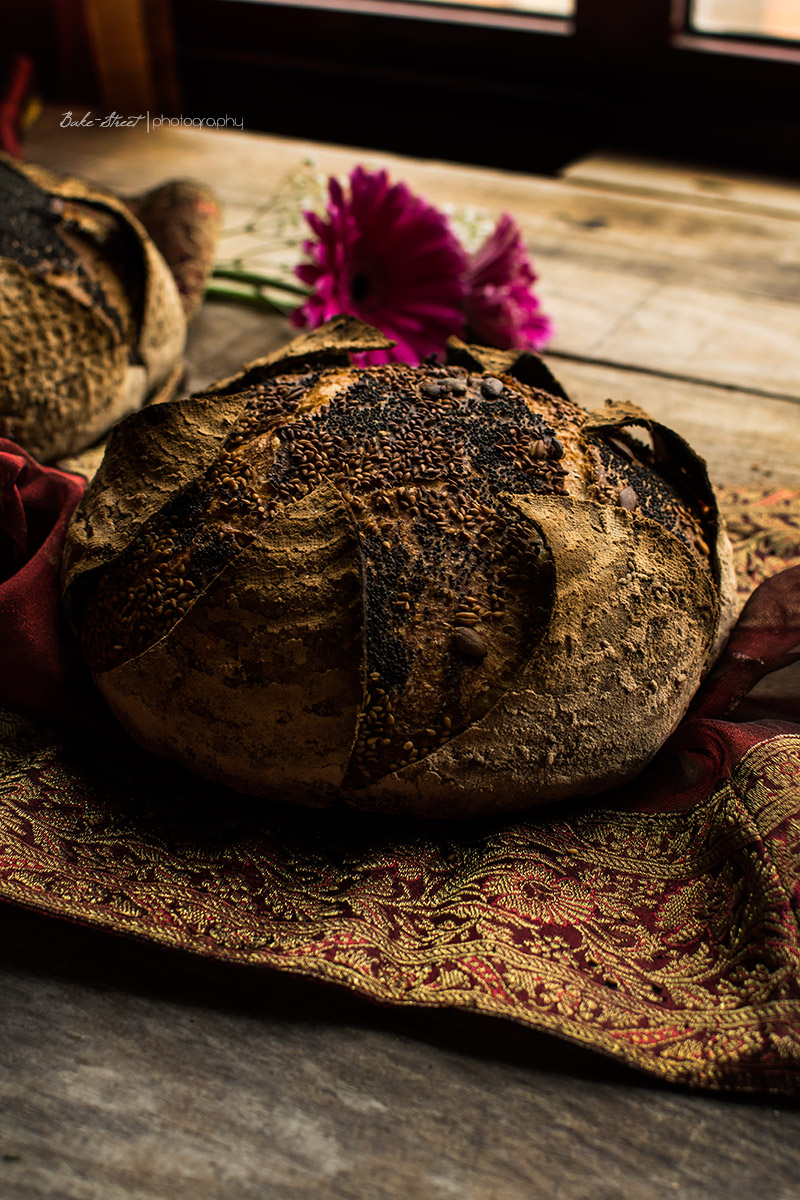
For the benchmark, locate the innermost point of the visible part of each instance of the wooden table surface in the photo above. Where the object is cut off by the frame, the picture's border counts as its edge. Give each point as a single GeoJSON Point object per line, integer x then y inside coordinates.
{"type": "Point", "coordinates": [126, 1072]}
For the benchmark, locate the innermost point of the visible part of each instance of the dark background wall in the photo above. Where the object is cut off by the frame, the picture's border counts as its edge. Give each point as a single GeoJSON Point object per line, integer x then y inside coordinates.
{"type": "Point", "coordinates": [528, 94]}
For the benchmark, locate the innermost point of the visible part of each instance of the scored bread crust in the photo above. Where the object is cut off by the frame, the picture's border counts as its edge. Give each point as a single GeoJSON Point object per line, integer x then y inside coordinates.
{"type": "Point", "coordinates": [91, 321]}
{"type": "Point", "coordinates": [440, 590]}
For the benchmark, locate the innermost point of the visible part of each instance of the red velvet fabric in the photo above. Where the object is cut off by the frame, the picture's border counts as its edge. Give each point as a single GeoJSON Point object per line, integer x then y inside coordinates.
{"type": "Point", "coordinates": [40, 669]}
{"type": "Point", "coordinates": [766, 638]}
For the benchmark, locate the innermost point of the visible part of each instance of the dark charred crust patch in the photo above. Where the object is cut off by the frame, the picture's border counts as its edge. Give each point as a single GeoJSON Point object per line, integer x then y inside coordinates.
{"type": "Point", "coordinates": [428, 575]}
{"type": "Point", "coordinates": [41, 233]}
{"type": "Point", "coordinates": [628, 464]}
{"type": "Point", "coordinates": [29, 226]}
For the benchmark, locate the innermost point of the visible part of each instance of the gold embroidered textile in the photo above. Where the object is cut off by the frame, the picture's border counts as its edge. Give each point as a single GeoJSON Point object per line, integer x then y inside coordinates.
{"type": "Point", "coordinates": [667, 940]}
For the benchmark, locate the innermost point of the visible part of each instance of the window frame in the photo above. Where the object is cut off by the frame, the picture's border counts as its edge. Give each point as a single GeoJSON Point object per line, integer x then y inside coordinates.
{"type": "Point", "coordinates": [522, 91]}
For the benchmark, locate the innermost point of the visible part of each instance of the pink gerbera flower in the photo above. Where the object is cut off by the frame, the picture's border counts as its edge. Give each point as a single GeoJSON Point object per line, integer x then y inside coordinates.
{"type": "Point", "coordinates": [388, 257]}
{"type": "Point", "coordinates": [501, 309]}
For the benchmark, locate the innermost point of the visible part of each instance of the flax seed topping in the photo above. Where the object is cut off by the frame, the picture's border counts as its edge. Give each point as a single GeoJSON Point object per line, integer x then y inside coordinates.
{"type": "Point", "coordinates": [439, 470]}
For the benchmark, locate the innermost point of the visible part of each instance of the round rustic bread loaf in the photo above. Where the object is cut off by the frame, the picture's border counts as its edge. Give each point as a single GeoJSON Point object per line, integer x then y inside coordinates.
{"type": "Point", "coordinates": [442, 590]}
{"type": "Point", "coordinates": [91, 322]}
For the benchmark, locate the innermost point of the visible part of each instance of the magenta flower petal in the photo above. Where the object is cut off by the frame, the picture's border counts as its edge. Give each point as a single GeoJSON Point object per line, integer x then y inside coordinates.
{"type": "Point", "coordinates": [501, 307]}
{"type": "Point", "coordinates": [388, 257]}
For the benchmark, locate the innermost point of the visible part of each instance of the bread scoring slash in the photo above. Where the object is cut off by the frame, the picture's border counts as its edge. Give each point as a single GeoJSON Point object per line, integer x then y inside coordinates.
{"type": "Point", "coordinates": [443, 590]}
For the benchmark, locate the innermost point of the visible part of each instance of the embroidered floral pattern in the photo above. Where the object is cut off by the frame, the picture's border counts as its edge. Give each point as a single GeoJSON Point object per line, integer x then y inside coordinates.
{"type": "Point", "coordinates": [667, 940]}
{"type": "Point", "coordinates": [764, 528]}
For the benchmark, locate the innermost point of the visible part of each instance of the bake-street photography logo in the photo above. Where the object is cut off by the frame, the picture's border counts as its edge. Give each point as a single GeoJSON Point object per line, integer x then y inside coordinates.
{"type": "Point", "coordinates": [115, 120]}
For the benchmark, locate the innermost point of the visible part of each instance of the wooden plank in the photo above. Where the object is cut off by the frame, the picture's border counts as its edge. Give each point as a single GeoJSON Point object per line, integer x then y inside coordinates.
{"type": "Point", "coordinates": [636, 280]}
{"type": "Point", "coordinates": [745, 439]}
{"type": "Point", "coordinates": [223, 337]}
{"type": "Point", "coordinates": [634, 234]}
{"type": "Point", "coordinates": [125, 1075]}
{"type": "Point", "coordinates": [682, 183]}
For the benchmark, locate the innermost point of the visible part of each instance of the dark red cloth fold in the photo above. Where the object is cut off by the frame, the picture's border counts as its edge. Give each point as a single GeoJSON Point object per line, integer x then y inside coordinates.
{"type": "Point", "coordinates": [40, 668]}
{"type": "Point", "coordinates": [705, 748]}
{"type": "Point", "coordinates": [766, 638]}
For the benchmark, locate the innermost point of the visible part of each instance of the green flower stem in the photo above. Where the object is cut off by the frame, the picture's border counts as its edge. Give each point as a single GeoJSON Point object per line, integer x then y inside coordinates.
{"type": "Point", "coordinates": [251, 299]}
{"type": "Point", "coordinates": [237, 275]}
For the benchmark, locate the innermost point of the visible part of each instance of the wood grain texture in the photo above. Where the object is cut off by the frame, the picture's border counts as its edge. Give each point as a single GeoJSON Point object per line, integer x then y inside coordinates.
{"type": "Point", "coordinates": [684, 184]}
{"type": "Point", "coordinates": [634, 279]}
{"type": "Point", "coordinates": [128, 1075]}
{"type": "Point", "coordinates": [125, 1073]}
{"type": "Point", "coordinates": [744, 438]}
